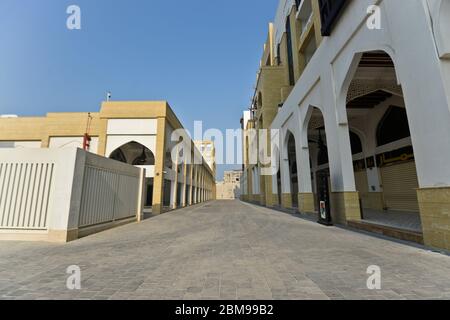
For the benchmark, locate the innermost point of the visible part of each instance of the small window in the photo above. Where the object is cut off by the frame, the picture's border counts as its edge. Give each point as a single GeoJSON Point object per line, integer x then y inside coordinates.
{"type": "Point", "coordinates": [355, 143]}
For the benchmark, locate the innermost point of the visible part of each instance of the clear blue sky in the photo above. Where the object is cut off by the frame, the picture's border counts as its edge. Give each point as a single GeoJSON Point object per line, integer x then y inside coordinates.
{"type": "Point", "coordinates": [200, 55]}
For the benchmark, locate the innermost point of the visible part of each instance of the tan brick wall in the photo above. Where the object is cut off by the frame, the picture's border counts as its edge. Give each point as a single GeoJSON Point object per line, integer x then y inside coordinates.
{"type": "Point", "coordinates": [275, 200]}
{"type": "Point", "coordinates": [269, 198]}
{"type": "Point", "coordinates": [434, 206]}
{"type": "Point", "coordinates": [286, 201]}
{"type": "Point", "coordinates": [373, 200]}
{"type": "Point", "coordinates": [262, 199]}
{"type": "Point", "coordinates": [306, 202]}
{"type": "Point", "coordinates": [345, 207]}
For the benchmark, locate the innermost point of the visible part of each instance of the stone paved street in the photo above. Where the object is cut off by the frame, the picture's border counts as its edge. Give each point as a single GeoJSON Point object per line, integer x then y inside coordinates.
{"type": "Point", "coordinates": [223, 250]}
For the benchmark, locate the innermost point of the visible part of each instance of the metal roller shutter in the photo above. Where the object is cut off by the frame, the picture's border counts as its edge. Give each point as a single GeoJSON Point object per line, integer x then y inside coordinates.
{"type": "Point", "coordinates": [400, 186]}
{"type": "Point", "coordinates": [362, 186]}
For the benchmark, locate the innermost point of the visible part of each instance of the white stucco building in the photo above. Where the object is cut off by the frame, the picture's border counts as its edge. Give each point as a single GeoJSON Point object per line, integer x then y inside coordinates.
{"type": "Point", "coordinates": [365, 109]}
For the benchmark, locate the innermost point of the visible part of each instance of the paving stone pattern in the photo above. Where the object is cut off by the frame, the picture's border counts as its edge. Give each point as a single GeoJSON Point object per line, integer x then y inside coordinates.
{"type": "Point", "coordinates": [223, 250]}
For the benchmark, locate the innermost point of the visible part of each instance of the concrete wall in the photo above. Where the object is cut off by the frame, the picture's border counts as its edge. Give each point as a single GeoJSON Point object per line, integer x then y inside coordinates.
{"type": "Point", "coordinates": [20, 144]}
{"type": "Point", "coordinates": [70, 142]}
{"type": "Point", "coordinates": [110, 192]}
{"type": "Point", "coordinates": [228, 191]}
{"type": "Point", "coordinates": [62, 194]}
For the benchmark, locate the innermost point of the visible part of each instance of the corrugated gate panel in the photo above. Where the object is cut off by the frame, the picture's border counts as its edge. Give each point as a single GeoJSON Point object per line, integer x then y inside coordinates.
{"type": "Point", "coordinates": [24, 195]}
{"type": "Point", "coordinates": [400, 186]}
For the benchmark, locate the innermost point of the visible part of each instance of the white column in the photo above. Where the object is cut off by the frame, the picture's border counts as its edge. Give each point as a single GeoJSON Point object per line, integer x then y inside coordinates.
{"type": "Point", "coordinates": [191, 173]}
{"type": "Point", "coordinates": [303, 161]}
{"type": "Point", "coordinates": [172, 193]}
{"type": "Point", "coordinates": [338, 140]}
{"type": "Point", "coordinates": [185, 177]}
{"type": "Point", "coordinates": [425, 90]}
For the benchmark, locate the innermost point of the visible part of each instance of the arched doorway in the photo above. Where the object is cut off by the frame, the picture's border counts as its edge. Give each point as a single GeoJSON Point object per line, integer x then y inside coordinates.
{"type": "Point", "coordinates": [398, 170]}
{"type": "Point", "coordinates": [384, 166]}
{"type": "Point", "coordinates": [276, 174]}
{"type": "Point", "coordinates": [278, 177]}
{"type": "Point", "coordinates": [137, 154]}
{"type": "Point", "coordinates": [293, 172]}
{"type": "Point", "coordinates": [320, 170]}
{"type": "Point", "coordinates": [359, 167]}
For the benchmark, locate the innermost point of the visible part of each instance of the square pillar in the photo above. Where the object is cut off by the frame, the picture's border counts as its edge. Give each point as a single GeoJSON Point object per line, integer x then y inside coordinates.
{"type": "Point", "coordinates": [286, 201]}
{"type": "Point", "coordinates": [158, 182]}
{"type": "Point", "coordinates": [173, 194]}
{"type": "Point", "coordinates": [345, 207]}
{"type": "Point", "coordinates": [268, 192]}
{"type": "Point", "coordinates": [191, 174]}
{"type": "Point", "coordinates": [185, 179]}
{"type": "Point", "coordinates": [274, 200]}
{"type": "Point", "coordinates": [434, 206]}
{"type": "Point", "coordinates": [306, 202]}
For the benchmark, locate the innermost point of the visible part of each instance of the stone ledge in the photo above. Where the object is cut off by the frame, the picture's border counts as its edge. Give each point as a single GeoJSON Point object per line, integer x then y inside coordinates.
{"type": "Point", "coordinates": [392, 232]}
{"type": "Point", "coordinates": [87, 231]}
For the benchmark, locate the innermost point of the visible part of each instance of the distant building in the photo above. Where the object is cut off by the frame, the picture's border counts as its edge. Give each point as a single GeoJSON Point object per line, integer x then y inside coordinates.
{"type": "Point", "coordinates": [138, 133]}
{"type": "Point", "coordinates": [208, 152]}
{"type": "Point", "coordinates": [230, 188]}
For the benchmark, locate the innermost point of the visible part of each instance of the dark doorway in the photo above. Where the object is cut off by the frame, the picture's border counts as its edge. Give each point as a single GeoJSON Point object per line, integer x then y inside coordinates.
{"type": "Point", "coordinates": [293, 174]}
{"type": "Point", "coordinates": [320, 173]}
{"type": "Point", "coordinates": [179, 194]}
{"type": "Point", "coordinates": [149, 193]}
{"type": "Point", "coordinates": [167, 191]}
{"type": "Point", "coordinates": [323, 196]}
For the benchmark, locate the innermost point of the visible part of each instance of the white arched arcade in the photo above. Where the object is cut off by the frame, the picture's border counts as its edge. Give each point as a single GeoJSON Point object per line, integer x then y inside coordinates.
{"type": "Point", "coordinates": [416, 81]}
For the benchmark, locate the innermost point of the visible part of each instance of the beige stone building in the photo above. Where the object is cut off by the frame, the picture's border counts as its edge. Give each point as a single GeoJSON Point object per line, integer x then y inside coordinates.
{"type": "Point", "coordinates": [230, 187]}
{"type": "Point", "coordinates": [208, 151]}
{"type": "Point", "coordinates": [352, 103]}
{"type": "Point", "coordinates": [134, 132]}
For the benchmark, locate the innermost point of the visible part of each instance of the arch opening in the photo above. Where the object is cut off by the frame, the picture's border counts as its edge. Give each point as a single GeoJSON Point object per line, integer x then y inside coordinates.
{"type": "Point", "coordinates": [293, 172]}
{"type": "Point", "coordinates": [136, 154]}
{"type": "Point", "coordinates": [318, 150]}
{"type": "Point", "coordinates": [383, 162]}
{"type": "Point", "coordinates": [355, 143]}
